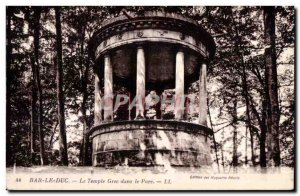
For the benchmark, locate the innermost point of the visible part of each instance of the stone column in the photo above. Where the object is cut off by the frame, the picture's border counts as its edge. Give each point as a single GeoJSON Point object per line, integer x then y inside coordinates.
{"type": "Point", "coordinates": [158, 105]}
{"type": "Point", "coordinates": [108, 89]}
{"type": "Point", "coordinates": [203, 95]}
{"type": "Point", "coordinates": [98, 108]}
{"type": "Point", "coordinates": [179, 85]}
{"type": "Point", "coordinates": [131, 112]}
{"type": "Point", "coordinates": [140, 83]}
{"type": "Point", "coordinates": [186, 103]}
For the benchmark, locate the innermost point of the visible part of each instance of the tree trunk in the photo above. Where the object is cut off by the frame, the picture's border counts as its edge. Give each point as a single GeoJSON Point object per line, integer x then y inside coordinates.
{"type": "Point", "coordinates": [262, 141]}
{"type": "Point", "coordinates": [214, 139]}
{"type": "Point", "coordinates": [34, 98]}
{"type": "Point", "coordinates": [222, 151]}
{"type": "Point", "coordinates": [246, 146]}
{"type": "Point", "coordinates": [248, 118]}
{"type": "Point", "coordinates": [84, 117]}
{"type": "Point", "coordinates": [234, 150]}
{"type": "Point", "coordinates": [52, 136]}
{"type": "Point", "coordinates": [84, 80]}
{"type": "Point", "coordinates": [252, 149]}
{"type": "Point", "coordinates": [262, 126]}
{"type": "Point", "coordinates": [273, 155]}
{"type": "Point", "coordinates": [262, 147]}
{"type": "Point", "coordinates": [33, 120]}
{"type": "Point", "coordinates": [37, 16]}
{"type": "Point", "coordinates": [60, 95]}
{"type": "Point", "coordinates": [244, 93]}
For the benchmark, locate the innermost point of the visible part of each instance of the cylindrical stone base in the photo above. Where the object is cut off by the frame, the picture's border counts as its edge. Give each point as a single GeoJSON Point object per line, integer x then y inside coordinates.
{"type": "Point", "coordinates": [151, 143]}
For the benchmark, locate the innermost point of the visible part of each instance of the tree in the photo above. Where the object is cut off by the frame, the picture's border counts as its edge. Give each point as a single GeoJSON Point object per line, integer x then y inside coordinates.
{"type": "Point", "coordinates": [234, 139]}
{"type": "Point", "coordinates": [60, 95]}
{"type": "Point", "coordinates": [36, 75]}
{"type": "Point", "coordinates": [271, 88]}
{"type": "Point", "coordinates": [239, 73]}
{"type": "Point", "coordinates": [85, 63]}
{"type": "Point", "coordinates": [33, 114]}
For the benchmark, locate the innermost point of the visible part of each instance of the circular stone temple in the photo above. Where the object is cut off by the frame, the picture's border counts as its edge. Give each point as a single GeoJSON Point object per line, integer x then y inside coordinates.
{"type": "Point", "coordinates": [153, 52]}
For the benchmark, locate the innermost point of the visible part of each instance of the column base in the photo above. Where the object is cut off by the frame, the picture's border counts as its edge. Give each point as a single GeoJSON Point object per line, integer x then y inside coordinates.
{"type": "Point", "coordinates": [139, 117]}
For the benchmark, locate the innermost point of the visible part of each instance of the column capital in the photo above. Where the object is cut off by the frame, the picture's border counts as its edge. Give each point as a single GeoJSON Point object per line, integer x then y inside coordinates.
{"type": "Point", "coordinates": [140, 46]}
{"type": "Point", "coordinates": [180, 49]}
{"type": "Point", "coordinates": [205, 61]}
{"type": "Point", "coordinates": [106, 54]}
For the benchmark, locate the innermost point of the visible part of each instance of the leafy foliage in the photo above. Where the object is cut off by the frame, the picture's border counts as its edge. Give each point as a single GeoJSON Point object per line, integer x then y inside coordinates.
{"type": "Point", "coordinates": [235, 75]}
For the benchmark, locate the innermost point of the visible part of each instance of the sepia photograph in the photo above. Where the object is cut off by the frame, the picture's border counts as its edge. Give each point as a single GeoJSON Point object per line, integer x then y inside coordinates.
{"type": "Point", "coordinates": [144, 98]}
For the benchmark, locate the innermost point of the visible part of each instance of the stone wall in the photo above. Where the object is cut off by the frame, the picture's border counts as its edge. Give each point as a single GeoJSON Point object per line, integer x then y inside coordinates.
{"type": "Point", "coordinates": [151, 143]}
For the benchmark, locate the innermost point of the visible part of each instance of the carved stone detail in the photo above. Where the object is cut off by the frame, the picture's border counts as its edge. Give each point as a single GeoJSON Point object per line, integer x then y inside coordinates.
{"type": "Point", "coordinates": [182, 36]}
{"type": "Point", "coordinates": [140, 34]}
{"type": "Point", "coordinates": [155, 21]}
{"type": "Point", "coordinates": [120, 36]}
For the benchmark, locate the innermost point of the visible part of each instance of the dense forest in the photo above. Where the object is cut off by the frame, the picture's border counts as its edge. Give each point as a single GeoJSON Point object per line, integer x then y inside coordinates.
{"type": "Point", "coordinates": [50, 83]}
